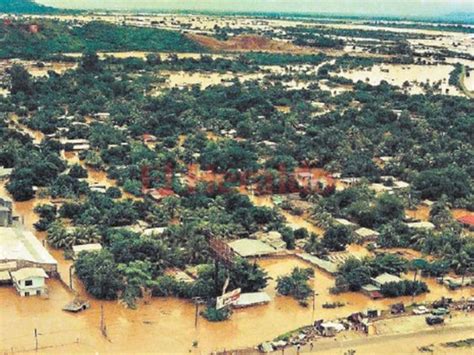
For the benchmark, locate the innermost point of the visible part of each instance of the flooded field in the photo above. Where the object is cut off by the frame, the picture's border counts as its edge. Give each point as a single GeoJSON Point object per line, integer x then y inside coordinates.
{"type": "Point", "coordinates": [57, 67]}
{"type": "Point", "coordinates": [469, 80]}
{"type": "Point", "coordinates": [184, 79]}
{"type": "Point", "coordinates": [422, 212]}
{"type": "Point", "coordinates": [415, 75]}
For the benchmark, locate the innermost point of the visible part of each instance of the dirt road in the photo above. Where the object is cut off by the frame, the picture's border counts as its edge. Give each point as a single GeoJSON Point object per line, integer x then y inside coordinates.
{"type": "Point", "coordinates": [398, 341]}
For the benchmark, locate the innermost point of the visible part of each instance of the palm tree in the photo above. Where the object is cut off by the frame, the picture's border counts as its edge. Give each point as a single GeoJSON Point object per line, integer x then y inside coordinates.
{"type": "Point", "coordinates": [418, 264]}
{"type": "Point", "coordinates": [460, 263]}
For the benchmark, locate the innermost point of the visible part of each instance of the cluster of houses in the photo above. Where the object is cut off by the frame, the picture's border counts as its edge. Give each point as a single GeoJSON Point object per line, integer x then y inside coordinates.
{"type": "Point", "coordinates": [24, 262]}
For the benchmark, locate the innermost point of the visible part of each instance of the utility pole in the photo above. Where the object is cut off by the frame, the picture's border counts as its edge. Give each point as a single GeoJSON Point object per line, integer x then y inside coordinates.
{"type": "Point", "coordinates": [197, 302]}
{"type": "Point", "coordinates": [36, 339]}
{"type": "Point", "coordinates": [196, 315]}
{"type": "Point", "coordinates": [70, 276]}
{"type": "Point", "coordinates": [314, 305]}
{"type": "Point", "coordinates": [216, 276]}
{"type": "Point", "coordinates": [103, 327]}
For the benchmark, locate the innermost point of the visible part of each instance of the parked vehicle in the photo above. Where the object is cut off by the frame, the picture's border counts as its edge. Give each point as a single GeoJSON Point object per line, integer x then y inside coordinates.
{"type": "Point", "coordinates": [433, 320]}
{"type": "Point", "coordinates": [440, 311]}
{"type": "Point", "coordinates": [421, 310]}
{"type": "Point", "coordinates": [77, 305]}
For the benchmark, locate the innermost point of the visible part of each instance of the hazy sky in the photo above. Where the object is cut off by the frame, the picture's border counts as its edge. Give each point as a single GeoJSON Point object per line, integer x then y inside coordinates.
{"type": "Point", "coordinates": [369, 7]}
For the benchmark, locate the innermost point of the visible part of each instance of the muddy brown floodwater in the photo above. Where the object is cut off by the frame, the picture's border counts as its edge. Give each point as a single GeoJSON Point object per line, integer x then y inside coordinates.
{"type": "Point", "coordinates": [167, 324]}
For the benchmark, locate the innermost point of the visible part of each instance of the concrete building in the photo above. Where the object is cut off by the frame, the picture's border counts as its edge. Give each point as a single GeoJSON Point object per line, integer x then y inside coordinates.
{"type": "Point", "coordinates": [30, 281]}
{"type": "Point", "coordinates": [21, 249]}
{"type": "Point", "coordinates": [6, 217]}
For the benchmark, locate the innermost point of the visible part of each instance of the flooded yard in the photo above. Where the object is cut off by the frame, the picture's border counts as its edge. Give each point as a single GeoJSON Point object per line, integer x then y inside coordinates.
{"type": "Point", "coordinates": [415, 75]}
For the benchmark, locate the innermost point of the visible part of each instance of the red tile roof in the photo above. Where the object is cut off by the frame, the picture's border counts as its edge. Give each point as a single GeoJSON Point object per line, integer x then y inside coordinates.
{"type": "Point", "coordinates": [467, 219]}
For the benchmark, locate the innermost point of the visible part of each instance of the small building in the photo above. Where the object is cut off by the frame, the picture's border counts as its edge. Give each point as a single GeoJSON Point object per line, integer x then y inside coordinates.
{"type": "Point", "coordinates": [152, 232]}
{"type": "Point", "coordinates": [421, 225]}
{"type": "Point", "coordinates": [345, 222]}
{"type": "Point", "coordinates": [269, 144]}
{"type": "Point", "coordinates": [86, 248]}
{"type": "Point", "coordinates": [250, 247]}
{"type": "Point", "coordinates": [467, 221]}
{"type": "Point", "coordinates": [149, 138]}
{"type": "Point", "coordinates": [384, 279]}
{"type": "Point", "coordinates": [366, 234]}
{"type": "Point", "coordinates": [5, 216]}
{"type": "Point", "coordinates": [21, 249]}
{"type": "Point", "coordinates": [5, 172]}
{"type": "Point", "coordinates": [371, 291]}
{"type": "Point", "coordinates": [96, 187]}
{"type": "Point", "coordinates": [272, 238]}
{"type": "Point", "coordinates": [5, 278]}
{"type": "Point", "coordinates": [30, 281]}
{"type": "Point", "coordinates": [252, 299]}
{"type": "Point", "coordinates": [159, 194]}
{"type": "Point", "coordinates": [102, 115]}
{"type": "Point", "coordinates": [80, 147]}
{"type": "Point", "coordinates": [329, 329]}
{"type": "Point", "coordinates": [325, 265]}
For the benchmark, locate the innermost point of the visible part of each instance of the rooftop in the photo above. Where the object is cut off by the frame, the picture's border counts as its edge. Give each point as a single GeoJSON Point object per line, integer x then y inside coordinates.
{"type": "Point", "coordinates": [467, 220]}
{"type": "Point", "coordinates": [251, 247]}
{"type": "Point", "coordinates": [386, 278]}
{"type": "Point", "coordinates": [86, 247]}
{"type": "Point", "coordinates": [325, 265]}
{"type": "Point", "coordinates": [28, 272]}
{"type": "Point", "coordinates": [421, 225]}
{"type": "Point", "coordinates": [366, 232]}
{"type": "Point", "coordinates": [251, 299]}
{"type": "Point", "coordinates": [17, 244]}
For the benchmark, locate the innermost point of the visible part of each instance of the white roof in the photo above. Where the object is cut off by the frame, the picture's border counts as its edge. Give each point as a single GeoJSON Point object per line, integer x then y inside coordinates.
{"type": "Point", "coordinates": [153, 231]}
{"type": "Point", "coordinates": [251, 247]}
{"type": "Point", "coordinates": [345, 222]}
{"type": "Point", "coordinates": [252, 298]}
{"type": "Point", "coordinates": [4, 172]}
{"type": "Point", "coordinates": [366, 232]}
{"type": "Point", "coordinates": [326, 265]}
{"type": "Point", "coordinates": [370, 288]}
{"type": "Point", "coordinates": [386, 278]}
{"type": "Point", "coordinates": [29, 272]}
{"type": "Point", "coordinates": [421, 225]}
{"type": "Point", "coordinates": [338, 327]}
{"type": "Point", "coordinates": [81, 147]}
{"type": "Point", "coordinates": [5, 276]}
{"type": "Point", "coordinates": [76, 141]}
{"type": "Point", "coordinates": [86, 247]}
{"type": "Point", "coordinates": [16, 244]}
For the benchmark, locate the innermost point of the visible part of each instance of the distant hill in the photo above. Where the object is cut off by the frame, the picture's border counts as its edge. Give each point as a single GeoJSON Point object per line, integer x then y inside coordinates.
{"type": "Point", "coordinates": [49, 37]}
{"type": "Point", "coordinates": [25, 7]}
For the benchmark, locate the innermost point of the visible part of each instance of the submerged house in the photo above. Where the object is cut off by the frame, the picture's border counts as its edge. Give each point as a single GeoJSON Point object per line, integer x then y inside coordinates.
{"type": "Point", "coordinates": [30, 281]}
{"type": "Point", "coordinates": [385, 278]}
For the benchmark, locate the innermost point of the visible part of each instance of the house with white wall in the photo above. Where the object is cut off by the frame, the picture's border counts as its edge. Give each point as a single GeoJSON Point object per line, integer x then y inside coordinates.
{"type": "Point", "coordinates": [30, 281]}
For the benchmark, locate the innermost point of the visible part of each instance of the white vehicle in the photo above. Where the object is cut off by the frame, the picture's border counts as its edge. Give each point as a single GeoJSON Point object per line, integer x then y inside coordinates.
{"type": "Point", "coordinates": [421, 310]}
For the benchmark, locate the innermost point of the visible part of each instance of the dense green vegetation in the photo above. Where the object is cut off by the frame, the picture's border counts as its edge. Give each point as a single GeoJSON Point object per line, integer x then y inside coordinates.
{"type": "Point", "coordinates": [429, 138]}
{"type": "Point", "coordinates": [56, 37]}
{"type": "Point", "coordinates": [296, 284]}
{"type": "Point", "coordinates": [26, 7]}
